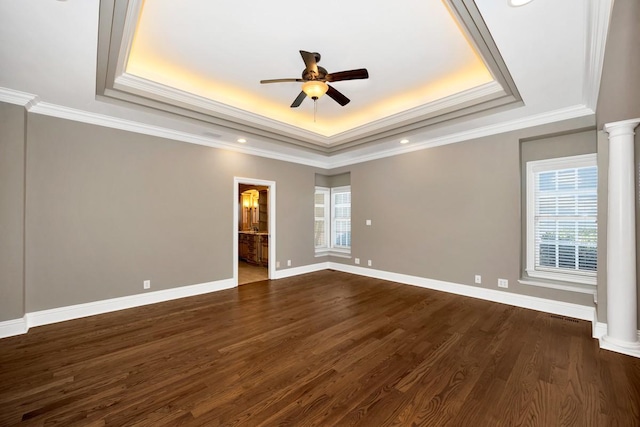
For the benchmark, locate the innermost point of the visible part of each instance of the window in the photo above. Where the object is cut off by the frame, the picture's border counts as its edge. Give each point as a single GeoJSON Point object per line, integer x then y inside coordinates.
{"type": "Point", "coordinates": [562, 210]}
{"type": "Point", "coordinates": [332, 229]}
{"type": "Point", "coordinates": [321, 225]}
{"type": "Point", "coordinates": [341, 217]}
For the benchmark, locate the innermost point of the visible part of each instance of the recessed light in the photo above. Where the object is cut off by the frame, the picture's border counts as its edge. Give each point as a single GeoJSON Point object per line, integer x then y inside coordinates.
{"type": "Point", "coordinates": [404, 141]}
{"type": "Point", "coordinates": [516, 3]}
{"type": "Point", "coordinates": [241, 140]}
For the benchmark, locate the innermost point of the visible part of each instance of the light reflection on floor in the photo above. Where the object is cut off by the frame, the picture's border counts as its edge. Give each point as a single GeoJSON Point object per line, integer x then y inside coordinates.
{"type": "Point", "coordinates": [249, 273]}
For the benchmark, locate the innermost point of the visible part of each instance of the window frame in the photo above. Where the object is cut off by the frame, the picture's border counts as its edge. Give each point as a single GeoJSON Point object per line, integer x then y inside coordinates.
{"type": "Point", "coordinates": [329, 221]}
{"type": "Point", "coordinates": [532, 169]}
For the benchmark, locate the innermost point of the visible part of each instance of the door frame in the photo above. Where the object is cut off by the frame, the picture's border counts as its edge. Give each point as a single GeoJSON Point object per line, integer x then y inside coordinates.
{"type": "Point", "coordinates": [237, 180]}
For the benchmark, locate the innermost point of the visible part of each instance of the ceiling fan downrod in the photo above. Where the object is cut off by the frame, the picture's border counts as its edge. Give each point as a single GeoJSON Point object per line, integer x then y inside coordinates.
{"type": "Point", "coordinates": [315, 107]}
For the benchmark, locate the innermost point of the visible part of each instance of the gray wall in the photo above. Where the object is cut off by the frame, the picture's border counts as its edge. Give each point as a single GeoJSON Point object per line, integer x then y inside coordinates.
{"type": "Point", "coordinates": [451, 212]}
{"type": "Point", "coordinates": [619, 99]}
{"type": "Point", "coordinates": [12, 146]}
{"type": "Point", "coordinates": [332, 181]}
{"type": "Point", "coordinates": [107, 209]}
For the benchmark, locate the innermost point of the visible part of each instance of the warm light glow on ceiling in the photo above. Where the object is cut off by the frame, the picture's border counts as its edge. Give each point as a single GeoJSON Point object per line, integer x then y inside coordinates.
{"type": "Point", "coordinates": [385, 94]}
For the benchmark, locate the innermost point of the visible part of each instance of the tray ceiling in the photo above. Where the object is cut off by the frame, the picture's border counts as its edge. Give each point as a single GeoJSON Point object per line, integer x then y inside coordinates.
{"type": "Point", "coordinates": [207, 59]}
{"type": "Point", "coordinates": [441, 71]}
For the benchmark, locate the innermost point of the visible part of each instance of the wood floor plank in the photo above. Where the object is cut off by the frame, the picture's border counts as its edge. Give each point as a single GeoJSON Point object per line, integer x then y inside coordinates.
{"type": "Point", "coordinates": [325, 348]}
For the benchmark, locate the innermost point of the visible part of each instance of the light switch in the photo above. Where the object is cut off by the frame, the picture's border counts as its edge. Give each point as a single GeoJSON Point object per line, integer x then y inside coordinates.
{"type": "Point", "coordinates": [368, 222]}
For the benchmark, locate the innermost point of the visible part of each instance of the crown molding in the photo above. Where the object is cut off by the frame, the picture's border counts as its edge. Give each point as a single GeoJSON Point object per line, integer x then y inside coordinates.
{"type": "Point", "coordinates": [33, 105]}
{"type": "Point", "coordinates": [139, 86]}
{"type": "Point", "coordinates": [598, 18]}
{"type": "Point", "coordinates": [424, 112]}
{"type": "Point", "coordinates": [15, 97]}
{"type": "Point", "coordinates": [67, 113]}
{"type": "Point", "coordinates": [135, 85]}
{"type": "Point", "coordinates": [568, 113]}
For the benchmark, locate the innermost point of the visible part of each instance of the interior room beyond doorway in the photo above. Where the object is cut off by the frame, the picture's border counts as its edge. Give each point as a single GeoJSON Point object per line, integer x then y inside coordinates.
{"type": "Point", "coordinates": [253, 233]}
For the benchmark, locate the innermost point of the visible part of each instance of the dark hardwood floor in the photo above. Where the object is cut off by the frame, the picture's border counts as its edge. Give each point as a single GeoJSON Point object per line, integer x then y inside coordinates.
{"type": "Point", "coordinates": [323, 349]}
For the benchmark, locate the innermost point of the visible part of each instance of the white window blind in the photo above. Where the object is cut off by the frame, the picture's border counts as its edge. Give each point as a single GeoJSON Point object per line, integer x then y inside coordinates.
{"type": "Point", "coordinates": [341, 217]}
{"type": "Point", "coordinates": [562, 219]}
{"type": "Point", "coordinates": [321, 224]}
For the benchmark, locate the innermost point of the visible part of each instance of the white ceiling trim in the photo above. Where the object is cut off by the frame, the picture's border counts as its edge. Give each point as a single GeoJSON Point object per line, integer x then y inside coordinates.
{"type": "Point", "coordinates": [599, 18]}
{"type": "Point", "coordinates": [58, 111]}
{"type": "Point", "coordinates": [139, 86]}
{"type": "Point", "coordinates": [15, 97]}
{"type": "Point", "coordinates": [131, 18]}
{"type": "Point", "coordinates": [32, 104]}
{"type": "Point", "coordinates": [569, 113]}
{"type": "Point", "coordinates": [425, 111]}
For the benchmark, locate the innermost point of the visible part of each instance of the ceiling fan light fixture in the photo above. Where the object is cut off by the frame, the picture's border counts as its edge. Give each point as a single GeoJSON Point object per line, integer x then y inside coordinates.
{"type": "Point", "coordinates": [315, 88]}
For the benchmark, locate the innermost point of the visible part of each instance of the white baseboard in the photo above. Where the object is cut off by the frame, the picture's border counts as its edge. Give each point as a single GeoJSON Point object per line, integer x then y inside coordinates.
{"type": "Point", "coordinates": [607, 343]}
{"type": "Point", "coordinates": [623, 347]}
{"type": "Point", "coordinates": [296, 271]}
{"type": "Point", "coordinates": [599, 329]}
{"type": "Point", "coordinates": [9, 328]}
{"type": "Point", "coordinates": [61, 314]}
{"type": "Point", "coordinates": [540, 304]}
{"type": "Point", "coordinates": [20, 326]}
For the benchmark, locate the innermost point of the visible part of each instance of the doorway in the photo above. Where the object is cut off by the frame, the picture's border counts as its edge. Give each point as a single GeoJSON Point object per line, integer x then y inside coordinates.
{"type": "Point", "coordinates": [254, 230]}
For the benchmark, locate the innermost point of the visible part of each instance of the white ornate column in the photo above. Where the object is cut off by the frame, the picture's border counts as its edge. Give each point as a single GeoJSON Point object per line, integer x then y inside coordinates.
{"type": "Point", "coordinates": [622, 306]}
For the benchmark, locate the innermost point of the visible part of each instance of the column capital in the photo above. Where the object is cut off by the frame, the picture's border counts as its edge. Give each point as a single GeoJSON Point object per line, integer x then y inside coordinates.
{"type": "Point", "coordinates": [622, 127]}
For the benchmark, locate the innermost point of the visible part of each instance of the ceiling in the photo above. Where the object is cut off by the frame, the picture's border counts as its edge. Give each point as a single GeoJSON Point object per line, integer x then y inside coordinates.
{"type": "Point", "coordinates": [440, 71]}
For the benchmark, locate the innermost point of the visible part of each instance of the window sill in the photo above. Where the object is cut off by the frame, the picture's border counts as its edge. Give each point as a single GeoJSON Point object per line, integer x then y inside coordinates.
{"type": "Point", "coordinates": [333, 252]}
{"type": "Point", "coordinates": [543, 275]}
{"type": "Point", "coordinates": [564, 286]}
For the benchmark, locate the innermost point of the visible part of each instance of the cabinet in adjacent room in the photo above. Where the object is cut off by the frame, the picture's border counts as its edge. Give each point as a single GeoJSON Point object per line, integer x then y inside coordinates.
{"type": "Point", "coordinates": [254, 248]}
{"type": "Point", "coordinates": [264, 250]}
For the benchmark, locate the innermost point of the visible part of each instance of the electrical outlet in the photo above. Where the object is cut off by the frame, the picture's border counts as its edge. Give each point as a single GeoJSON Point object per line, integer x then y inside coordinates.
{"type": "Point", "coordinates": [503, 283]}
{"type": "Point", "coordinates": [478, 278]}
{"type": "Point", "coordinates": [277, 264]}
{"type": "Point", "coordinates": [146, 284]}
{"type": "Point", "coordinates": [369, 263]}
{"type": "Point", "coordinates": [288, 263]}
{"type": "Point", "coordinates": [368, 222]}
{"type": "Point", "coordinates": [357, 260]}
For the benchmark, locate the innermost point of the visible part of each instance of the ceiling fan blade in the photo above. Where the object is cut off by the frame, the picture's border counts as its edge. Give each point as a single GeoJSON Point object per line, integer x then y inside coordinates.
{"type": "Point", "coordinates": [280, 81]}
{"type": "Point", "coordinates": [360, 73]}
{"type": "Point", "coordinates": [299, 99]}
{"type": "Point", "coordinates": [337, 96]}
{"type": "Point", "coordinates": [310, 61]}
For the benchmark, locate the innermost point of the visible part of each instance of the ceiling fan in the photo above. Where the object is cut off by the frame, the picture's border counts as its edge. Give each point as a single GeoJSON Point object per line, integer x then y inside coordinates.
{"type": "Point", "coordinates": [315, 78]}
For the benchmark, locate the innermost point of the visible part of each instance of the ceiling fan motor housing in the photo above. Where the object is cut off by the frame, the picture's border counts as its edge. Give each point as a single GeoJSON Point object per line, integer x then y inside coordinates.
{"type": "Point", "coordinates": [312, 75]}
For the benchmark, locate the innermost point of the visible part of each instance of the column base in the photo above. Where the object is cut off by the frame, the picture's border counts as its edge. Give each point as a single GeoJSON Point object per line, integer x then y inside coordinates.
{"type": "Point", "coordinates": [619, 346]}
